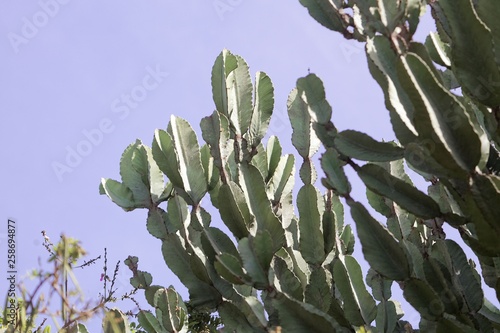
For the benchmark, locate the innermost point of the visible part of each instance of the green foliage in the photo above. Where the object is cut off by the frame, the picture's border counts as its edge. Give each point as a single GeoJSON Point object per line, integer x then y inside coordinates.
{"type": "Point", "coordinates": [202, 322]}
{"type": "Point", "coordinates": [294, 272]}
{"type": "Point", "coordinates": [32, 309]}
{"type": "Point", "coordinates": [58, 296]}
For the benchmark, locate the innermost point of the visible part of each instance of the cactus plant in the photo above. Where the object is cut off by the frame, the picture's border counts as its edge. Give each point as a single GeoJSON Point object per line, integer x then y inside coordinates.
{"type": "Point", "coordinates": [294, 270]}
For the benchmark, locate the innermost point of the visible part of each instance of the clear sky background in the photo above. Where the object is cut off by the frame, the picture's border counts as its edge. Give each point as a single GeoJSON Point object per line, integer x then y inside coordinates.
{"type": "Point", "coordinates": [89, 77]}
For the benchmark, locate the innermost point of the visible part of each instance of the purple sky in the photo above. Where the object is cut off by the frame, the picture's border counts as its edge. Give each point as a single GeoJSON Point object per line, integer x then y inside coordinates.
{"type": "Point", "coordinates": [81, 80]}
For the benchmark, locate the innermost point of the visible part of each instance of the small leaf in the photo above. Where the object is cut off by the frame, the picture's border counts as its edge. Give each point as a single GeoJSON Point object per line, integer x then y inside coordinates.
{"type": "Point", "coordinates": [312, 92]}
{"type": "Point", "coordinates": [364, 299]}
{"type": "Point", "coordinates": [215, 132]}
{"type": "Point", "coordinates": [188, 154]}
{"type": "Point", "coordinates": [405, 195]}
{"type": "Point", "coordinates": [438, 277]}
{"type": "Point", "coordinates": [325, 13]}
{"type": "Point", "coordinates": [234, 320]}
{"type": "Point", "coordinates": [224, 64]}
{"type": "Point", "coordinates": [177, 259]}
{"type": "Point", "coordinates": [273, 151]}
{"type": "Point", "coordinates": [263, 246]}
{"type": "Point", "coordinates": [165, 156]}
{"type": "Point", "coordinates": [211, 172]}
{"type": "Point", "coordinates": [230, 268]}
{"type": "Point", "coordinates": [348, 240]}
{"type": "Point", "coordinates": [255, 193]}
{"type": "Point", "coordinates": [381, 287]}
{"type": "Point", "coordinates": [486, 192]}
{"type": "Point", "coordinates": [390, 14]}
{"type": "Point", "coordinates": [141, 280]}
{"type": "Point", "coordinates": [318, 292]}
{"type": "Point", "coordinates": [421, 296]}
{"type": "Point", "coordinates": [263, 108]}
{"type": "Point", "coordinates": [254, 311]}
{"type": "Point", "coordinates": [118, 193]}
{"type": "Point", "coordinates": [156, 223]}
{"type": "Point", "coordinates": [333, 167]}
{"type": "Point", "coordinates": [199, 269]}
{"type": "Point", "coordinates": [134, 173]}
{"type": "Point", "coordinates": [239, 95]}
{"type": "Point", "coordinates": [361, 146]}
{"type": "Point", "coordinates": [259, 160]}
{"type": "Point", "coordinates": [304, 138]}
{"type": "Point", "coordinates": [379, 203]}
{"type": "Point", "coordinates": [232, 90]}
{"type": "Point", "coordinates": [154, 175]}
{"type": "Point", "coordinates": [298, 317]}
{"type": "Point", "coordinates": [311, 237]}
{"type": "Point", "coordinates": [439, 115]}
{"type": "Point", "coordinates": [289, 282]}
{"type": "Point", "coordinates": [178, 213]}
{"type": "Point", "coordinates": [338, 209]}
{"type": "Point", "coordinates": [438, 51]}
{"type": "Point", "coordinates": [329, 230]}
{"type": "Point", "coordinates": [386, 317]}
{"type": "Point", "coordinates": [307, 172]}
{"type": "Point", "coordinates": [380, 248]}
{"type": "Point", "coordinates": [150, 292]}
{"type": "Point", "coordinates": [283, 178]}
{"type": "Point", "coordinates": [115, 322]}
{"type": "Point", "coordinates": [382, 65]}
{"type": "Point", "coordinates": [219, 242]}
{"type": "Point", "coordinates": [465, 280]}
{"type": "Point", "coordinates": [414, 9]}
{"type": "Point", "coordinates": [171, 310]}
{"type": "Point", "coordinates": [234, 209]}
{"type": "Point", "coordinates": [478, 78]}
{"type": "Point", "coordinates": [252, 264]}
{"type": "Point", "coordinates": [421, 159]}
{"type": "Point", "coordinates": [343, 284]}
{"type": "Point", "coordinates": [148, 321]}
